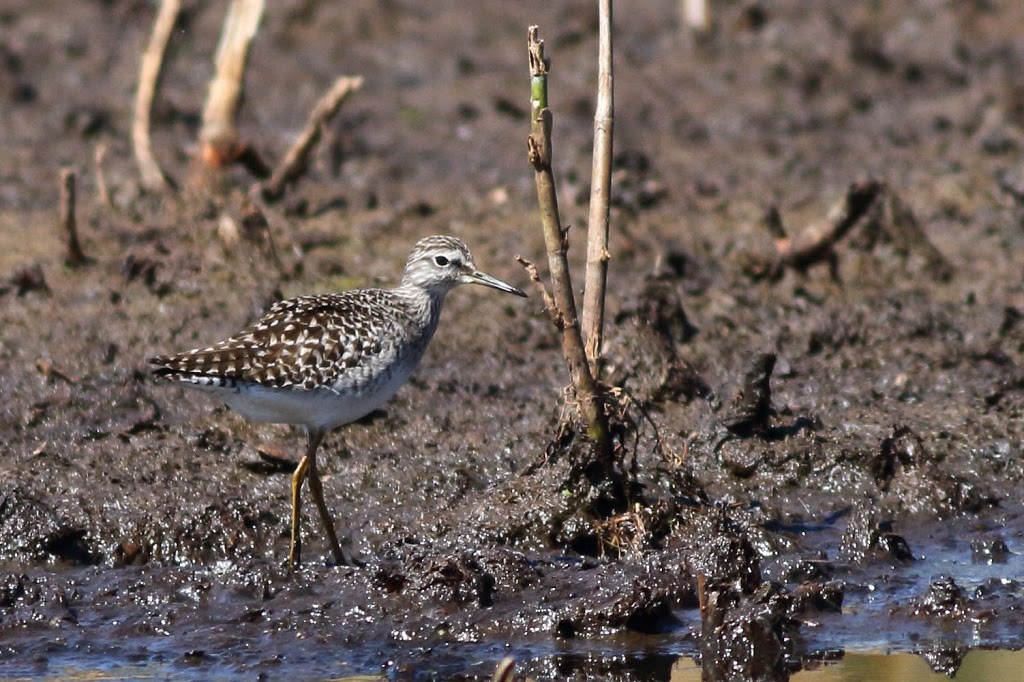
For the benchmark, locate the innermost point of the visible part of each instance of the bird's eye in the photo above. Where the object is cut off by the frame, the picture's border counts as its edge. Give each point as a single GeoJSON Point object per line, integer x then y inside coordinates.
{"type": "Point", "coordinates": [440, 261]}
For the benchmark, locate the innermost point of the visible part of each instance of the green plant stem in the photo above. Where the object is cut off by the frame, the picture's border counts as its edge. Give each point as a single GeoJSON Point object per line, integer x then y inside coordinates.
{"type": "Point", "coordinates": [588, 393]}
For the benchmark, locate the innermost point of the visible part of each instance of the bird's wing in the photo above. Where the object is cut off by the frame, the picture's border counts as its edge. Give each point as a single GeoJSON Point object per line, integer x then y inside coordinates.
{"type": "Point", "coordinates": [305, 342]}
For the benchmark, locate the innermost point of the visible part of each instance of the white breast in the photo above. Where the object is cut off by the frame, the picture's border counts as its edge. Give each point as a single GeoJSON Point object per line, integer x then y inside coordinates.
{"type": "Point", "coordinates": [321, 408]}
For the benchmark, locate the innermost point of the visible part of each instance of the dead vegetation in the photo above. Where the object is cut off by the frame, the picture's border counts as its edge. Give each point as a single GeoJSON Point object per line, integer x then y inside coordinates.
{"type": "Point", "coordinates": [870, 212]}
{"type": "Point", "coordinates": [598, 469]}
{"type": "Point", "coordinates": [220, 145]}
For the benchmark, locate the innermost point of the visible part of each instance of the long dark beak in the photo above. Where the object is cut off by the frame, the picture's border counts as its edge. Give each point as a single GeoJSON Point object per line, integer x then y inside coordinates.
{"type": "Point", "coordinates": [477, 277]}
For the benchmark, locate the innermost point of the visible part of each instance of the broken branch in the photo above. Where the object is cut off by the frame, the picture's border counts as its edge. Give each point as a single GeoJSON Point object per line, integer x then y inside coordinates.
{"type": "Point", "coordinates": [153, 178]}
{"type": "Point", "coordinates": [99, 156]}
{"type": "Point", "coordinates": [295, 161]}
{"type": "Point", "coordinates": [549, 302]}
{"type": "Point", "coordinates": [815, 242]}
{"type": "Point", "coordinates": [870, 203]}
{"type": "Point", "coordinates": [73, 256]}
{"type": "Point", "coordinates": [219, 145]}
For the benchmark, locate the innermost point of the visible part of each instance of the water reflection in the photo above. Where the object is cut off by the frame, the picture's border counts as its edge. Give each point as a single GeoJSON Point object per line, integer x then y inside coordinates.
{"type": "Point", "coordinates": [978, 666]}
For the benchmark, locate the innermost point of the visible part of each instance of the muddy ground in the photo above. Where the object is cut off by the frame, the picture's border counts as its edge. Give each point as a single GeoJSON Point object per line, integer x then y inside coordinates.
{"type": "Point", "coordinates": [141, 529]}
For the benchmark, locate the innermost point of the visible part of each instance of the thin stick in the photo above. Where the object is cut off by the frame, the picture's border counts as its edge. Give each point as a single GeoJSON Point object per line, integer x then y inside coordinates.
{"type": "Point", "coordinates": [600, 189]}
{"type": "Point", "coordinates": [545, 295]}
{"type": "Point", "coordinates": [696, 15]}
{"type": "Point", "coordinates": [556, 242]}
{"type": "Point", "coordinates": [98, 157]}
{"type": "Point", "coordinates": [815, 242]}
{"type": "Point", "coordinates": [219, 136]}
{"type": "Point", "coordinates": [74, 256]}
{"type": "Point", "coordinates": [153, 178]}
{"type": "Point", "coordinates": [294, 163]}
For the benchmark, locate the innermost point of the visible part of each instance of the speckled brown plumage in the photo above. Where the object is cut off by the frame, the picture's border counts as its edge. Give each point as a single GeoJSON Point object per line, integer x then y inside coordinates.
{"type": "Point", "coordinates": [339, 341]}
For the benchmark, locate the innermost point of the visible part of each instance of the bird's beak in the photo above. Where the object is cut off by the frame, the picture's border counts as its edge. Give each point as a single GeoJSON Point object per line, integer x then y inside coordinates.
{"type": "Point", "coordinates": [477, 277]}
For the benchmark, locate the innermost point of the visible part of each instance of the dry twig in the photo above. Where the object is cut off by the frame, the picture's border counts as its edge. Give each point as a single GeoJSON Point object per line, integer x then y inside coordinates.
{"type": "Point", "coordinates": [696, 15]}
{"type": "Point", "coordinates": [600, 190]}
{"type": "Point", "coordinates": [815, 243]}
{"type": "Point", "coordinates": [153, 178]}
{"type": "Point", "coordinates": [98, 157]}
{"type": "Point", "coordinates": [870, 203]}
{"type": "Point", "coordinates": [295, 161]}
{"type": "Point", "coordinates": [549, 302]}
{"type": "Point", "coordinates": [74, 256]}
{"type": "Point", "coordinates": [219, 143]}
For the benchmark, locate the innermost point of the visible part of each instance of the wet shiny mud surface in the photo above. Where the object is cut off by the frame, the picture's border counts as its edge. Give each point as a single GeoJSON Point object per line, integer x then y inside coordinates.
{"type": "Point", "coordinates": [873, 504]}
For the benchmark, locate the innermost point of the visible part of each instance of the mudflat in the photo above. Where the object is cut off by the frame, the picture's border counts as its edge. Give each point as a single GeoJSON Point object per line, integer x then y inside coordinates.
{"type": "Point", "coordinates": [875, 502]}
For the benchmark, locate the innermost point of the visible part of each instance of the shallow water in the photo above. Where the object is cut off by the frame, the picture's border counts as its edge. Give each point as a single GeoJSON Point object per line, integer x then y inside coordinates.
{"type": "Point", "coordinates": [978, 666]}
{"type": "Point", "coordinates": [882, 634]}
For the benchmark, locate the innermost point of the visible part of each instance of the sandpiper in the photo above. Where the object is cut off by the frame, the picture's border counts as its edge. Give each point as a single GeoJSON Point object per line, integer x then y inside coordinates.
{"type": "Point", "coordinates": [324, 361]}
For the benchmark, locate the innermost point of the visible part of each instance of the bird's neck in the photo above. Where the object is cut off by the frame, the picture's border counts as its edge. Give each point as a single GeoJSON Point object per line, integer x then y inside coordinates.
{"type": "Point", "coordinates": [423, 304]}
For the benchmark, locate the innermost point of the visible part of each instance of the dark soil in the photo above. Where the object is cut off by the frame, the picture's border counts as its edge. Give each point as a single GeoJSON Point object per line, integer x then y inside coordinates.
{"type": "Point", "coordinates": [832, 447]}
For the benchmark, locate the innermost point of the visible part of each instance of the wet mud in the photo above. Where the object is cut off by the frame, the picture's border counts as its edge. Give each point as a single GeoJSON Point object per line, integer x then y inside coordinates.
{"type": "Point", "coordinates": [820, 453]}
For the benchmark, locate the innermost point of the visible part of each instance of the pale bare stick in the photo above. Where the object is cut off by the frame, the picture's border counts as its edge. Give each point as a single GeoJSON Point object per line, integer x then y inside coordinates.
{"type": "Point", "coordinates": [588, 392]}
{"type": "Point", "coordinates": [600, 187]}
{"type": "Point", "coordinates": [153, 178]}
{"type": "Point", "coordinates": [73, 256]}
{"type": "Point", "coordinates": [218, 137]}
{"type": "Point", "coordinates": [99, 155]}
{"type": "Point", "coordinates": [696, 15]}
{"type": "Point", "coordinates": [295, 161]}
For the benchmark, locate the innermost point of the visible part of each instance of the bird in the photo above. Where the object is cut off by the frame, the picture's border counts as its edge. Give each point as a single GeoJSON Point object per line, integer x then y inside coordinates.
{"type": "Point", "coordinates": [323, 361]}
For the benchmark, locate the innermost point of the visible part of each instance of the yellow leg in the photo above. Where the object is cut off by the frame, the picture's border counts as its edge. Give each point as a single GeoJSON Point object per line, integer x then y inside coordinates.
{"type": "Point", "coordinates": [306, 470]}
{"type": "Point", "coordinates": [341, 557]}
{"type": "Point", "coordinates": [295, 552]}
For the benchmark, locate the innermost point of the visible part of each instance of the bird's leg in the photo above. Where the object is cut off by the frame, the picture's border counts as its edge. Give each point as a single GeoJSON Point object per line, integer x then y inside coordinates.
{"type": "Point", "coordinates": [341, 556]}
{"type": "Point", "coordinates": [295, 552]}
